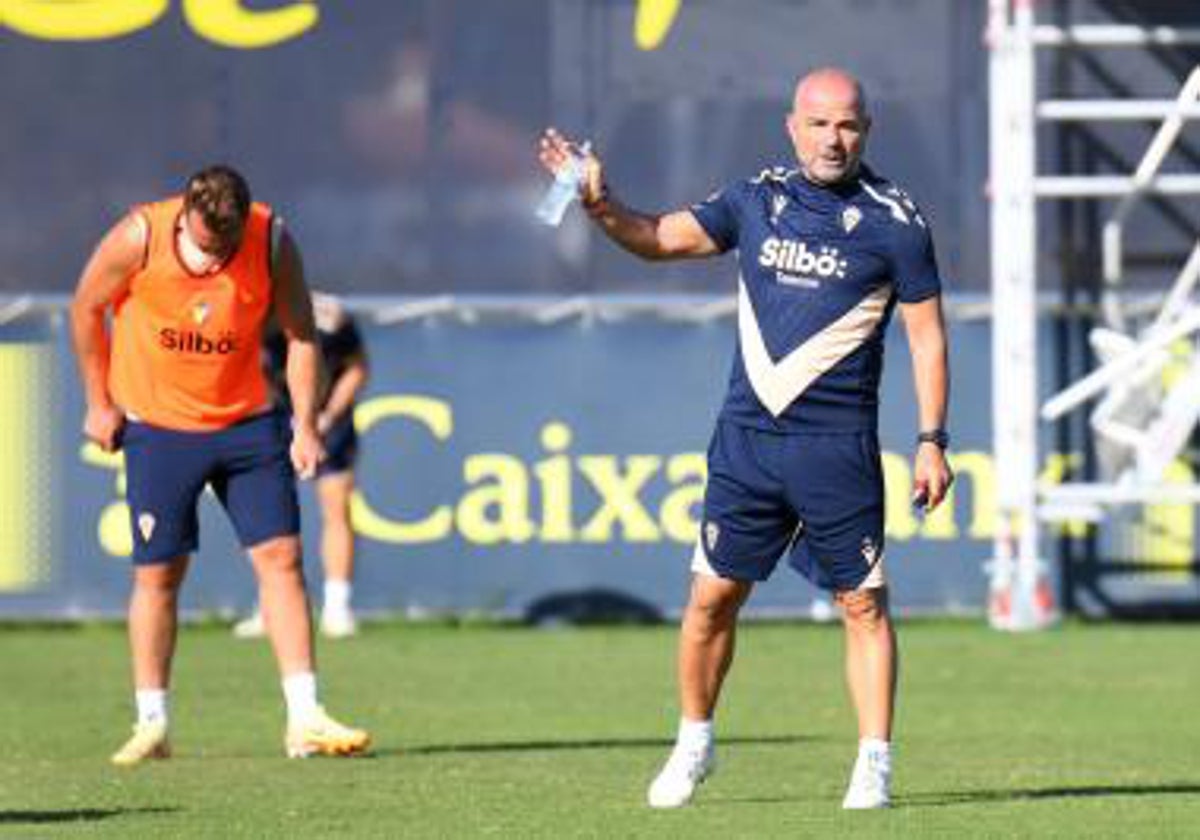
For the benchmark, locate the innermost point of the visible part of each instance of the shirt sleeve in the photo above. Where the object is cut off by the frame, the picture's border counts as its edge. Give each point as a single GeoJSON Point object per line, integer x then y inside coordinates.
{"type": "Point", "coordinates": [718, 215]}
{"type": "Point", "coordinates": [347, 341]}
{"type": "Point", "coordinates": [916, 271]}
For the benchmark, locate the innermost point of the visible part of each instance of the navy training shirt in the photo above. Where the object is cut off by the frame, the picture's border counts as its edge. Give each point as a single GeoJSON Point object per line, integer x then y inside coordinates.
{"type": "Point", "coordinates": [820, 271]}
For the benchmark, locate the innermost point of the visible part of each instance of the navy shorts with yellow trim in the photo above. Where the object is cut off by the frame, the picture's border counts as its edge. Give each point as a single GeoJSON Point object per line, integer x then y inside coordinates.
{"type": "Point", "coordinates": [818, 498]}
{"type": "Point", "coordinates": [247, 465]}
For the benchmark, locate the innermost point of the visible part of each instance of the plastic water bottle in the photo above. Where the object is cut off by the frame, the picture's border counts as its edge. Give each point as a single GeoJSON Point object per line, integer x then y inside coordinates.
{"type": "Point", "coordinates": [563, 190]}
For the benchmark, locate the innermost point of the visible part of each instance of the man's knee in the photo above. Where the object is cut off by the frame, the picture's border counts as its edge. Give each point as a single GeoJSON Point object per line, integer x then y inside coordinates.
{"type": "Point", "coordinates": [335, 515]}
{"type": "Point", "coordinates": [163, 579]}
{"type": "Point", "coordinates": [710, 614]}
{"type": "Point", "coordinates": [865, 609]}
{"type": "Point", "coordinates": [715, 602]}
{"type": "Point", "coordinates": [280, 555]}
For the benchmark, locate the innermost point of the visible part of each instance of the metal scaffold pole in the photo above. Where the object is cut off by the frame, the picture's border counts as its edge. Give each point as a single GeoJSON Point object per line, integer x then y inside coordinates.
{"type": "Point", "coordinates": [1018, 574]}
{"type": "Point", "coordinates": [1143, 420]}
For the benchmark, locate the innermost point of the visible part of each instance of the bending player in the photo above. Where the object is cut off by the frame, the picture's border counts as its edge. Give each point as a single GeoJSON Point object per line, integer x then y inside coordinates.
{"type": "Point", "coordinates": [179, 386]}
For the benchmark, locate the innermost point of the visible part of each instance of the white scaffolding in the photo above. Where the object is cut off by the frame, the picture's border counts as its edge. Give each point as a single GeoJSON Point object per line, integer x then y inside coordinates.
{"type": "Point", "coordinates": [1142, 425]}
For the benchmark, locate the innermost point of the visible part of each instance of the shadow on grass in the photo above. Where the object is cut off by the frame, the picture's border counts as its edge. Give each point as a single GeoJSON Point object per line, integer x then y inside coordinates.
{"type": "Point", "coordinates": [975, 797]}
{"type": "Point", "coordinates": [79, 815]}
{"type": "Point", "coordinates": [971, 797]}
{"type": "Point", "coordinates": [582, 744]}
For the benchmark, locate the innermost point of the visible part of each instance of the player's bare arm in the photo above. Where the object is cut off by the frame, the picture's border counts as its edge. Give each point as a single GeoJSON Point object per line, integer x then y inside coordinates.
{"type": "Point", "coordinates": [105, 280]}
{"type": "Point", "coordinates": [294, 313]}
{"type": "Point", "coordinates": [926, 331]}
{"type": "Point", "coordinates": [667, 236]}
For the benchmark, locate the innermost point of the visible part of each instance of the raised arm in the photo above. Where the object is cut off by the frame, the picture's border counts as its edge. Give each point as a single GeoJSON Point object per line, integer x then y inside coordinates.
{"type": "Point", "coordinates": [105, 279]}
{"type": "Point", "coordinates": [926, 331]}
{"type": "Point", "coordinates": [293, 311]}
{"type": "Point", "coordinates": [667, 236]}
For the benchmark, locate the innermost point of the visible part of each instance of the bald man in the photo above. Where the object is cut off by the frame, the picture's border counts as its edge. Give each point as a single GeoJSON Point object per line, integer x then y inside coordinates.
{"type": "Point", "coordinates": [826, 251]}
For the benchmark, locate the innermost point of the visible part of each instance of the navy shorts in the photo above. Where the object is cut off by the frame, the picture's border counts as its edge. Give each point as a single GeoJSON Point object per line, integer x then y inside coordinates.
{"type": "Point", "coordinates": [247, 465]}
{"type": "Point", "coordinates": [341, 446]}
{"type": "Point", "coordinates": [818, 498]}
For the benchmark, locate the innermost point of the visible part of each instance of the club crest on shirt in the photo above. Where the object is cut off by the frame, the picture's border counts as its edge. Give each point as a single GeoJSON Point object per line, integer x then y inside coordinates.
{"type": "Point", "coordinates": [146, 523]}
{"type": "Point", "coordinates": [712, 532]}
{"type": "Point", "coordinates": [200, 312]}
{"type": "Point", "coordinates": [851, 216]}
{"type": "Point", "coordinates": [778, 203]}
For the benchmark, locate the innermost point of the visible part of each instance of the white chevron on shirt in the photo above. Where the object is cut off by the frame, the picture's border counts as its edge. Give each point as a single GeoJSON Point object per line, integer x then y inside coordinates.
{"type": "Point", "coordinates": [778, 384]}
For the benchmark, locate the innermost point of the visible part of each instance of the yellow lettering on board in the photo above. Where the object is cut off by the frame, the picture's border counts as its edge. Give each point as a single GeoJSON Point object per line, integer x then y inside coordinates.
{"type": "Point", "coordinates": [230, 24]}
{"type": "Point", "coordinates": [436, 416]}
{"type": "Point", "coordinates": [620, 497]}
{"type": "Point", "coordinates": [1166, 536]}
{"type": "Point", "coordinates": [652, 21]}
{"type": "Point", "coordinates": [114, 530]}
{"type": "Point", "coordinates": [554, 483]}
{"type": "Point", "coordinates": [901, 523]}
{"type": "Point", "coordinates": [496, 509]}
{"type": "Point", "coordinates": [980, 469]}
{"type": "Point", "coordinates": [1058, 467]}
{"type": "Point", "coordinates": [687, 473]}
{"type": "Point", "coordinates": [79, 20]}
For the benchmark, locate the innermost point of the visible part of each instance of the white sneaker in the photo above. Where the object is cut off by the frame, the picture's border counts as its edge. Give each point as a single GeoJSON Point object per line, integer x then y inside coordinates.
{"type": "Point", "coordinates": [250, 627]}
{"type": "Point", "coordinates": [338, 624]}
{"type": "Point", "coordinates": [676, 783]}
{"type": "Point", "coordinates": [149, 741]}
{"type": "Point", "coordinates": [322, 735]}
{"type": "Point", "coordinates": [870, 783]}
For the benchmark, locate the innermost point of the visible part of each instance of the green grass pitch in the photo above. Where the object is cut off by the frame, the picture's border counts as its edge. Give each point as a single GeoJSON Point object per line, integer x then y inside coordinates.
{"type": "Point", "coordinates": [494, 731]}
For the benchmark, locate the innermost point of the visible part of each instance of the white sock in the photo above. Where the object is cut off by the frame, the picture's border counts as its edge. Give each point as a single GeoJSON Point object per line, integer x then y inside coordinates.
{"type": "Point", "coordinates": [151, 705]}
{"type": "Point", "coordinates": [694, 733]}
{"type": "Point", "coordinates": [875, 748]}
{"type": "Point", "coordinates": [300, 694]}
{"type": "Point", "coordinates": [337, 596]}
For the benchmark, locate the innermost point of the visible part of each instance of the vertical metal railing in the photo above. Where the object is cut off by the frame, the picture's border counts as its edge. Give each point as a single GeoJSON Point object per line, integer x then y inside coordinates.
{"type": "Point", "coordinates": [1017, 569]}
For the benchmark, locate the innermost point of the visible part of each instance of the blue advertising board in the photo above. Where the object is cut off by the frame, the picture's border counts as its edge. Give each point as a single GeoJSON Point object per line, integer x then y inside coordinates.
{"type": "Point", "coordinates": [502, 461]}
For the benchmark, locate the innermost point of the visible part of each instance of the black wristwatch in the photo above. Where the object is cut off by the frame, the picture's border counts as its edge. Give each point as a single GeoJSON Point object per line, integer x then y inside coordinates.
{"type": "Point", "coordinates": [938, 437]}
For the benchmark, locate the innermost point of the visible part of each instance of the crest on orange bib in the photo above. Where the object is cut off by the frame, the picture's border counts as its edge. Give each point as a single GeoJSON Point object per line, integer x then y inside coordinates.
{"type": "Point", "coordinates": [200, 312]}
